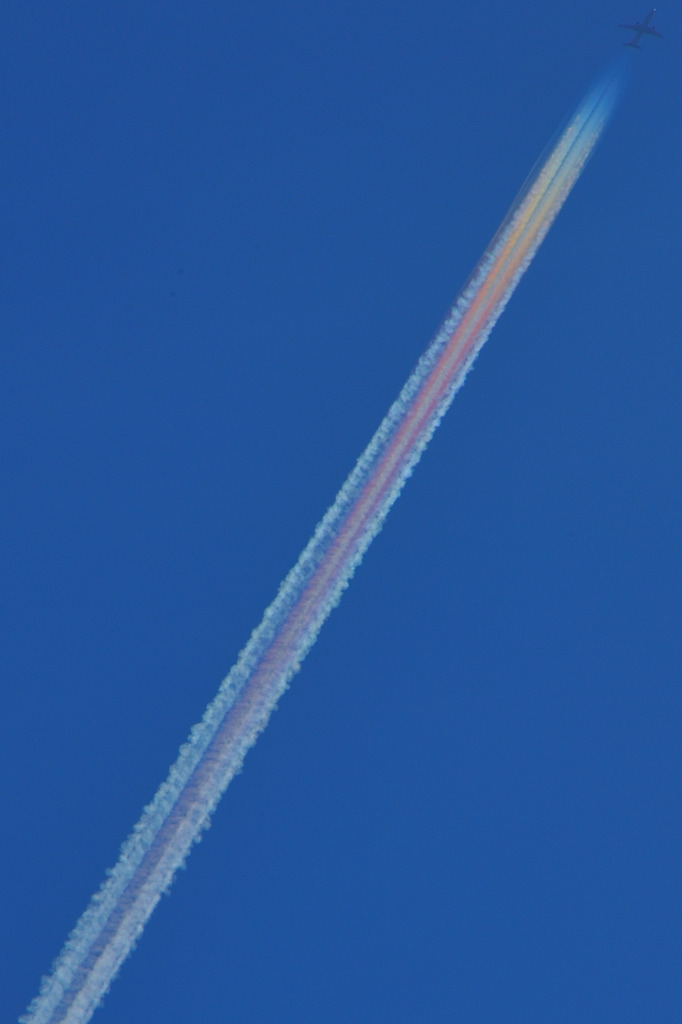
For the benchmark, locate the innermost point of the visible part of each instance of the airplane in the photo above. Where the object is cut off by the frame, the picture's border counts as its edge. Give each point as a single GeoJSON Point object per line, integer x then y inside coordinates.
{"type": "Point", "coordinates": [643, 29]}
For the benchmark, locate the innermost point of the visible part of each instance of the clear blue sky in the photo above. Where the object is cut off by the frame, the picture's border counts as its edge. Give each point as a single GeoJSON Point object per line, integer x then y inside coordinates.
{"type": "Point", "coordinates": [229, 230]}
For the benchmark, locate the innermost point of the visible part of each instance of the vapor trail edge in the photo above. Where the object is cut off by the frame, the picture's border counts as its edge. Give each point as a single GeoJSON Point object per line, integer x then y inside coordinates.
{"type": "Point", "coordinates": [181, 809]}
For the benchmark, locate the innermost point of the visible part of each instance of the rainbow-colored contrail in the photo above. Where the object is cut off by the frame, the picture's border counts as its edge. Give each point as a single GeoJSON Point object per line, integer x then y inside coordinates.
{"type": "Point", "coordinates": [181, 809]}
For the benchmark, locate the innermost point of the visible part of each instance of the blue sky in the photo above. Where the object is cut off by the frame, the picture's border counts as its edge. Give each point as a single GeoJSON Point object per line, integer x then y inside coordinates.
{"type": "Point", "coordinates": [229, 232]}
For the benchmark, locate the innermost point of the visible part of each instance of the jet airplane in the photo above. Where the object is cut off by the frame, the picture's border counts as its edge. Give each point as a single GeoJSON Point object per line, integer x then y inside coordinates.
{"type": "Point", "coordinates": [645, 28]}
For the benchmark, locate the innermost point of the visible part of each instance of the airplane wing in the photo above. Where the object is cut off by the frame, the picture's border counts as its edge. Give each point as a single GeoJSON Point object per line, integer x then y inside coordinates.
{"type": "Point", "coordinates": [642, 30]}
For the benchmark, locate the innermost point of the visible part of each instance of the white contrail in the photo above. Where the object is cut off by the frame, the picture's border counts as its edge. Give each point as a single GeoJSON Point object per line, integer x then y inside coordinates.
{"type": "Point", "coordinates": [109, 928]}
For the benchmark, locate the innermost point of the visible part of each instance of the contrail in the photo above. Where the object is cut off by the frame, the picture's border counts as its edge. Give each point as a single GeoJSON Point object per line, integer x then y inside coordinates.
{"type": "Point", "coordinates": [159, 843]}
